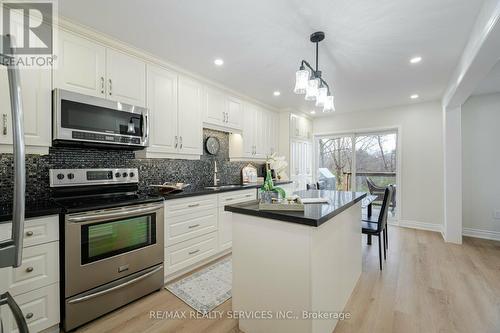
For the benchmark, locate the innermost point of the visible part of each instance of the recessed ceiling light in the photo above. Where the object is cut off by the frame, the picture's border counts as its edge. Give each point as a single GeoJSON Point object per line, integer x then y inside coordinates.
{"type": "Point", "coordinates": [414, 96]}
{"type": "Point", "coordinates": [312, 112]}
{"type": "Point", "coordinates": [276, 93]}
{"type": "Point", "coordinates": [415, 60]}
{"type": "Point", "coordinates": [219, 62]}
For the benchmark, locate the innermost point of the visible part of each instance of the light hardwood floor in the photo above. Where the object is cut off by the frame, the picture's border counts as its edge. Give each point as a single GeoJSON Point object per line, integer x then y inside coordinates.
{"type": "Point", "coordinates": [426, 286]}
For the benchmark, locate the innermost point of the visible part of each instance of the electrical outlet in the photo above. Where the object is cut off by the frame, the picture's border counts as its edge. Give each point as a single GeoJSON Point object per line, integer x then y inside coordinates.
{"type": "Point", "coordinates": [496, 214]}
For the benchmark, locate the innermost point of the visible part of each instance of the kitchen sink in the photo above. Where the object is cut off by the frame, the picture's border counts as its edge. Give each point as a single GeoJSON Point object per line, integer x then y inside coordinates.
{"type": "Point", "coordinates": [222, 187]}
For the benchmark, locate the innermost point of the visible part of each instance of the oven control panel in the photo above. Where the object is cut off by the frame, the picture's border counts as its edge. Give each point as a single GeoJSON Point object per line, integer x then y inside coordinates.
{"type": "Point", "coordinates": [82, 177]}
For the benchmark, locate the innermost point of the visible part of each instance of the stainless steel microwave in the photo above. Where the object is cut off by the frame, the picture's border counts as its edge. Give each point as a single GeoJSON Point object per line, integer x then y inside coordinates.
{"type": "Point", "coordinates": [92, 121]}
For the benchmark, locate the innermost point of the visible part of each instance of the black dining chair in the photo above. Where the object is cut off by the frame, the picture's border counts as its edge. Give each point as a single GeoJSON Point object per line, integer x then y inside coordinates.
{"type": "Point", "coordinates": [378, 227]}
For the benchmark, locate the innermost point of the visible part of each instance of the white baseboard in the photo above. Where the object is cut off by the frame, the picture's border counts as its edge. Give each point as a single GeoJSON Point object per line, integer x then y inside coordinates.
{"type": "Point", "coordinates": [417, 225]}
{"type": "Point", "coordinates": [478, 233]}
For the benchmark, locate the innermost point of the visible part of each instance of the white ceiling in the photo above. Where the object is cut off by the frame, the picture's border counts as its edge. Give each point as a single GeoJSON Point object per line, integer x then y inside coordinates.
{"type": "Point", "coordinates": [491, 83]}
{"type": "Point", "coordinates": [365, 55]}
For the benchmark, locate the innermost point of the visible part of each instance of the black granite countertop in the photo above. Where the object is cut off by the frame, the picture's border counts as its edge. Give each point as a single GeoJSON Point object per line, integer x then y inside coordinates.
{"type": "Point", "coordinates": [48, 207]}
{"type": "Point", "coordinates": [33, 209]}
{"type": "Point", "coordinates": [314, 214]}
{"type": "Point", "coordinates": [192, 191]}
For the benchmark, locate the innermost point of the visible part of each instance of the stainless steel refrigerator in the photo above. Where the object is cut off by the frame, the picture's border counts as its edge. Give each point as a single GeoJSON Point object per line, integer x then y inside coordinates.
{"type": "Point", "coordinates": [11, 243]}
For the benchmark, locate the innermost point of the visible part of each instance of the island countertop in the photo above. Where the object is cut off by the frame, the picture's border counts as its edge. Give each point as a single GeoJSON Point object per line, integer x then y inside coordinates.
{"type": "Point", "coordinates": [314, 214]}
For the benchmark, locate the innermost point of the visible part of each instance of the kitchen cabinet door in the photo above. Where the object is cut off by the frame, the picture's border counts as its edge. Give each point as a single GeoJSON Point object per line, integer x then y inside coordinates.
{"type": "Point", "coordinates": [81, 65]}
{"type": "Point", "coordinates": [249, 116]}
{"type": "Point", "coordinates": [215, 107]}
{"type": "Point", "coordinates": [36, 102]}
{"type": "Point", "coordinates": [162, 104]}
{"type": "Point", "coordinates": [260, 133]}
{"type": "Point", "coordinates": [225, 229]}
{"type": "Point", "coordinates": [189, 117]}
{"type": "Point", "coordinates": [126, 78]}
{"type": "Point", "coordinates": [234, 111]}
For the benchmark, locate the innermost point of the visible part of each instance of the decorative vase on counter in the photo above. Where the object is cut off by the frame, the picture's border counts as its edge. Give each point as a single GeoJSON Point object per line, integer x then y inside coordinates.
{"type": "Point", "coordinates": [269, 191]}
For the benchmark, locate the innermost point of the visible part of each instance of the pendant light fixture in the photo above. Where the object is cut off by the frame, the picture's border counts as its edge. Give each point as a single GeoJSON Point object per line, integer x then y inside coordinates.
{"type": "Point", "coordinates": [309, 82]}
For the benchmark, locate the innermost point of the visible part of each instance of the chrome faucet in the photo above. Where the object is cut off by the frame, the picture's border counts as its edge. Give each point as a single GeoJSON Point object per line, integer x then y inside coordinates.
{"type": "Point", "coordinates": [216, 172]}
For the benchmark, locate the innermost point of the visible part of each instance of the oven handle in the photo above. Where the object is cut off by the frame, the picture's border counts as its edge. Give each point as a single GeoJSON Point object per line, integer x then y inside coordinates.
{"type": "Point", "coordinates": [106, 291]}
{"type": "Point", "coordinates": [89, 217]}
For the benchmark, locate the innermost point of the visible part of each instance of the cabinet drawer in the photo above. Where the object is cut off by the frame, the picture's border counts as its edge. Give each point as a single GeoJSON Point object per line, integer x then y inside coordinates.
{"type": "Point", "coordinates": [41, 230]}
{"type": "Point", "coordinates": [40, 309]}
{"type": "Point", "coordinates": [36, 230]}
{"type": "Point", "coordinates": [237, 196]}
{"type": "Point", "coordinates": [189, 252]}
{"type": "Point", "coordinates": [177, 207]}
{"type": "Point", "coordinates": [184, 227]}
{"type": "Point", "coordinates": [40, 268]}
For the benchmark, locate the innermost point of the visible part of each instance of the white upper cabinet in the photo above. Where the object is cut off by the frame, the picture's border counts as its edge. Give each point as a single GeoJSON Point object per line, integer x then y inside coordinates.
{"type": "Point", "coordinates": [126, 78]}
{"type": "Point", "coordinates": [259, 137]}
{"type": "Point", "coordinates": [89, 68]}
{"type": "Point", "coordinates": [81, 65]}
{"type": "Point", "coordinates": [175, 110]}
{"type": "Point", "coordinates": [222, 111]}
{"type": "Point", "coordinates": [162, 104]}
{"type": "Point", "coordinates": [234, 111]}
{"type": "Point", "coordinates": [190, 101]}
{"type": "Point", "coordinates": [36, 102]}
{"type": "Point", "coordinates": [215, 107]}
{"type": "Point", "coordinates": [249, 120]}
{"type": "Point", "coordinates": [300, 127]}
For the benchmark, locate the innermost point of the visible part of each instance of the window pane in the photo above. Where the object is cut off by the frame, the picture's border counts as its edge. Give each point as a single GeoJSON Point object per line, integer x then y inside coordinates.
{"type": "Point", "coordinates": [376, 163]}
{"type": "Point", "coordinates": [335, 155]}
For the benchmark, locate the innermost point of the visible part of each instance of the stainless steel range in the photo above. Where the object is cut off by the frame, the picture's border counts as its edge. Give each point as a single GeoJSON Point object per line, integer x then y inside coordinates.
{"type": "Point", "coordinates": [113, 241]}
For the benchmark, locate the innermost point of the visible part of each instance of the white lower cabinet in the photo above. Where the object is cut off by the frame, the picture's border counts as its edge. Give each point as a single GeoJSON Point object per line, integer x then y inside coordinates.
{"type": "Point", "coordinates": [40, 308]}
{"type": "Point", "coordinates": [190, 252]}
{"type": "Point", "coordinates": [35, 284]}
{"type": "Point", "coordinates": [198, 229]}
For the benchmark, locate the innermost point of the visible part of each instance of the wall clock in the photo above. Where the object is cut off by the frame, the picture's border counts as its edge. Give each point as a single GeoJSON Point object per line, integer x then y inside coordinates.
{"type": "Point", "coordinates": [212, 145]}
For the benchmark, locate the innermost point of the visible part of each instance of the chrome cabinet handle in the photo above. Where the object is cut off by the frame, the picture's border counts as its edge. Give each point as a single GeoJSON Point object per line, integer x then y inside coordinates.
{"type": "Point", "coordinates": [180, 142]}
{"type": "Point", "coordinates": [193, 205]}
{"type": "Point", "coordinates": [193, 252]}
{"type": "Point", "coordinates": [29, 233]}
{"type": "Point", "coordinates": [110, 87]}
{"type": "Point", "coordinates": [176, 142]}
{"type": "Point", "coordinates": [4, 124]}
{"type": "Point", "coordinates": [102, 85]}
{"type": "Point", "coordinates": [29, 269]}
{"type": "Point", "coordinates": [249, 195]}
{"type": "Point", "coordinates": [193, 226]}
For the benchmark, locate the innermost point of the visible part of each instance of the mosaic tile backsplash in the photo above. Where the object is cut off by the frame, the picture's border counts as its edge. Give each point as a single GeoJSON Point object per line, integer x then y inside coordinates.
{"type": "Point", "coordinates": [151, 171]}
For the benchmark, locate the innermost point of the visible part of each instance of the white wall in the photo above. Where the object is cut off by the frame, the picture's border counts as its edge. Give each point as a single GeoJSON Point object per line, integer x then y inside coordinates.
{"type": "Point", "coordinates": [481, 165]}
{"type": "Point", "coordinates": [421, 185]}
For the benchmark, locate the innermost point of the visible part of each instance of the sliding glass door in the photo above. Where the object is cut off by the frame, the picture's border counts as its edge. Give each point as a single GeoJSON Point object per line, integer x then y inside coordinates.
{"type": "Point", "coordinates": [365, 162]}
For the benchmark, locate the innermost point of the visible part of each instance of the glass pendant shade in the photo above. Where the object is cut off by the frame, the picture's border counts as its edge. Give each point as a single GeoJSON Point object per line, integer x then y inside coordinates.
{"type": "Point", "coordinates": [322, 92]}
{"type": "Point", "coordinates": [301, 78]}
{"type": "Point", "coordinates": [328, 105]}
{"type": "Point", "coordinates": [312, 90]}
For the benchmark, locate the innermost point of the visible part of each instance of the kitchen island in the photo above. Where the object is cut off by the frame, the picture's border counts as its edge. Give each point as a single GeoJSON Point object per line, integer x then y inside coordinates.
{"type": "Point", "coordinates": [295, 271]}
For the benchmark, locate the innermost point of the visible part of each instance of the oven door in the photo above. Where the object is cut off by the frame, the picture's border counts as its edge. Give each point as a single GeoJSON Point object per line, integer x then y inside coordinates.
{"type": "Point", "coordinates": [82, 118]}
{"type": "Point", "coordinates": [105, 245]}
